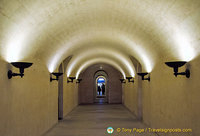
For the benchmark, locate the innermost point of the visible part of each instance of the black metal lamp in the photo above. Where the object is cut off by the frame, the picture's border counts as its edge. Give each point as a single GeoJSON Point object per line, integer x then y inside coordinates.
{"type": "Point", "coordinates": [122, 80]}
{"type": "Point", "coordinates": [175, 65]}
{"type": "Point", "coordinates": [55, 74]}
{"type": "Point", "coordinates": [21, 66]}
{"type": "Point", "coordinates": [71, 79]}
{"type": "Point", "coordinates": [78, 80]}
{"type": "Point", "coordinates": [129, 79]}
{"type": "Point", "coordinates": [144, 74]}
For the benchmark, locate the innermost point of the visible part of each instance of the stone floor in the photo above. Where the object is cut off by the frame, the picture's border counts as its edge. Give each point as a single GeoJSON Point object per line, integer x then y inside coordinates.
{"type": "Point", "coordinates": [93, 120]}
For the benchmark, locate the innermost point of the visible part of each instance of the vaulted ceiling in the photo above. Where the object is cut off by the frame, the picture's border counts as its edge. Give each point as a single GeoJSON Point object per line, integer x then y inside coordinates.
{"type": "Point", "coordinates": [99, 31]}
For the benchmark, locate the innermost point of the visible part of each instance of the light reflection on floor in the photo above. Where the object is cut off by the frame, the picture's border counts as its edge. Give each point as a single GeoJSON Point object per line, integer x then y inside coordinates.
{"type": "Point", "coordinates": [93, 120]}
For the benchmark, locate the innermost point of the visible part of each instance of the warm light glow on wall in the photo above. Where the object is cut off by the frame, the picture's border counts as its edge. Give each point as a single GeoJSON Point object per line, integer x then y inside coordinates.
{"type": "Point", "coordinates": [61, 53]}
{"type": "Point", "coordinates": [16, 43]}
{"type": "Point", "coordinates": [52, 64]}
{"type": "Point", "coordinates": [102, 52]}
{"type": "Point", "coordinates": [142, 54]}
{"type": "Point", "coordinates": [18, 38]}
{"type": "Point", "coordinates": [122, 43]}
{"type": "Point", "coordinates": [179, 37]}
{"type": "Point", "coordinates": [96, 61]}
{"type": "Point", "coordinates": [185, 49]}
{"type": "Point", "coordinates": [49, 32]}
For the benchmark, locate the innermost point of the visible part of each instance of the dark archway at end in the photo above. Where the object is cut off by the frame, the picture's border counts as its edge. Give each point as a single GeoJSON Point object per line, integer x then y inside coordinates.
{"type": "Point", "coordinates": [87, 87]}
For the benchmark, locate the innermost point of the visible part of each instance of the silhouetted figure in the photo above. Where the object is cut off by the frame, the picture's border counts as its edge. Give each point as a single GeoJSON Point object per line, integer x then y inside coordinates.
{"type": "Point", "coordinates": [99, 89]}
{"type": "Point", "coordinates": [103, 89]}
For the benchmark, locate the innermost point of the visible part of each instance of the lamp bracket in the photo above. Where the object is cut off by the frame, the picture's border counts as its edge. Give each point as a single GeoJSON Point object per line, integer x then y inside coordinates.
{"type": "Point", "coordinates": [56, 74]}
{"type": "Point", "coordinates": [122, 80]}
{"type": "Point", "coordinates": [129, 79]}
{"type": "Point", "coordinates": [186, 73]}
{"type": "Point", "coordinates": [21, 66]}
{"type": "Point", "coordinates": [144, 74]}
{"type": "Point", "coordinates": [71, 79]}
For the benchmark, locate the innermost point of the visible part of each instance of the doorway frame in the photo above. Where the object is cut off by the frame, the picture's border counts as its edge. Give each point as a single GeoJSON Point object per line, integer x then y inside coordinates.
{"type": "Point", "coordinates": [97, 74]}
{"type": "Point", "coordinates": [104, 83]}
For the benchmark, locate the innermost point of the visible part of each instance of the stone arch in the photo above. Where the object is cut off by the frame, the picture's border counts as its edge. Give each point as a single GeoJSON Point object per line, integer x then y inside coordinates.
{"type": "Point", "coordinates": [101, 73]}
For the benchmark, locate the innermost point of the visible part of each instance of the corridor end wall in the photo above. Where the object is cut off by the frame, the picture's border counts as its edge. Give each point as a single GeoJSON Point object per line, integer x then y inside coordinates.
{"type": "Point", "coordinates": [87, 85]}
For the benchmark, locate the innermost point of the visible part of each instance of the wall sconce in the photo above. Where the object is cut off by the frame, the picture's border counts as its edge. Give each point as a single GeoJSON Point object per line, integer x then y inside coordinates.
{"type": "Point", "coordinates": [78, 80]}
{"type": "Point", "coordinates": [71, 79]}
{"type": "Point", "coordinates": [122, 80]}
{"type": "Point", "coordinates": [55, 74]}
{"type": "Point", "coordinates": [175, 65]}
{"type": "Point", "coordinates": [129, 79]}
{"type": "Point", "coordinates": [21, 66]}
{"type": "Point", "coordinates": [144, 74]}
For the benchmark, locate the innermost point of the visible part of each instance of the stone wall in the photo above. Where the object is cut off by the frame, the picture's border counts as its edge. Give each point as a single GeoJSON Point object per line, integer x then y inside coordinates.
{"type": "Point", "coordinates": [87, 85]}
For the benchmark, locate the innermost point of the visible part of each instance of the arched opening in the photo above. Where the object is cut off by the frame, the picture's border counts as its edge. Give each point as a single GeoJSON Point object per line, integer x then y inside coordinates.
{"type": "Point", "coordinates": [101, 87]}
{"type": "Point", "coordinates": [101, 91]}
{"type": "Point", "coordinates": [88, 86]}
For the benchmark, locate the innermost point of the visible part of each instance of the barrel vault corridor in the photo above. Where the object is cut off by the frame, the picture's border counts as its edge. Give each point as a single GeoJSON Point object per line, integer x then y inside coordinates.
{"type": "Point", "coordinates": [99, 67]}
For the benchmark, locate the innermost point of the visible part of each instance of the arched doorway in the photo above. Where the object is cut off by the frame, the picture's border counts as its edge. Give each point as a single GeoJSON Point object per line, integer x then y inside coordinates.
{"type": "Point", "coordinates": [101, 87]}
